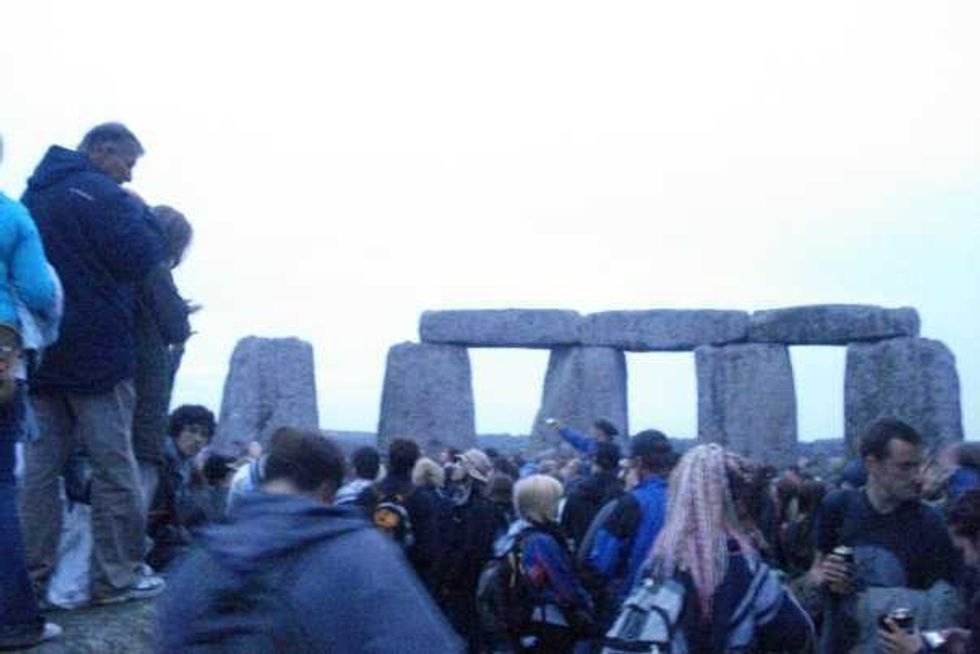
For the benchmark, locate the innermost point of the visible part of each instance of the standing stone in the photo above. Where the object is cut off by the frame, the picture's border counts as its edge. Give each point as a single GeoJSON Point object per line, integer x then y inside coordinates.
{"type": "Point", "coordinates": [912, 379]}
{"type": "Point", "coordinates": [664, 330]}
{"type": "Point", "coordinates": [581, 385]}
{"type": "Point", "coordinates": [747, 401]}
{"type": "Point", "coordinates": [832, 324]}
{"type": "Point", "coordinates": [530, 328]}
{"type": "Point", "coordinates": [270, 384]}
{"type": "Point", "coordinates": [428, 396]}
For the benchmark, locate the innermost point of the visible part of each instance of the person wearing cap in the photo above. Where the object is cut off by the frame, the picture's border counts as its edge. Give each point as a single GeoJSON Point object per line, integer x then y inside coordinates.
{"type": "Point", "coordinates": [27, 282]}
{"type": "Point", "coordinates": [602, 431]}
{"type": "Point", "coordinates": [626, 536]}
{"type": "Point", "coordinates": [468, 526]}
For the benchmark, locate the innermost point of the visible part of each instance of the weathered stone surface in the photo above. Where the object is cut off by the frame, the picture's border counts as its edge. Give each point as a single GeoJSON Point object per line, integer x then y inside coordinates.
{"type": "Point", "coordinates": [913, 379]}
{"type": "Point", "coordinates": [270, 384]}
{"type": "Point", "coordinates": [530, 328]}
{"type": "Point", "coordinates": [832, 324]}
{"type": "Point", "coordinates": [666, 330]}
{"type": "Point", "coordinates": [428, 396]}
{"type": "Point", "coordinates": [581, 385]}
{"type": "Point", "coordinates": [747, 401]}
{"type": "Point", "coordinates": [127, 628]}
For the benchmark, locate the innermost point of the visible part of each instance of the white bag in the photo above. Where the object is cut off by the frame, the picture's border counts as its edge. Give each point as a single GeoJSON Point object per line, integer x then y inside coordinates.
{"type": "Point", "coordinates": [71, 585]}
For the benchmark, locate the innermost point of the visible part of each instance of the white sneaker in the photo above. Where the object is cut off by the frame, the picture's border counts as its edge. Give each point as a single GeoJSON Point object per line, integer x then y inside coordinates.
{"type": "Point", "coordinates": [144, 588]}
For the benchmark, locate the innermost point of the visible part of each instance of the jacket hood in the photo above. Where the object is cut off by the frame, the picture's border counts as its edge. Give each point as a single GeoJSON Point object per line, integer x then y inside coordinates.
{"type": "Point", "coordinates": [270, 527]}
{"type": "Point", "coordinates": [506, 542]}
{"type": "Point", "coordinates": [57, 164]}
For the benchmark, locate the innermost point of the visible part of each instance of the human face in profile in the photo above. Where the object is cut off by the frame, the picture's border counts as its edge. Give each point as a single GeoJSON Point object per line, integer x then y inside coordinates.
{"type": "Point", "coordinates": [116, 160]}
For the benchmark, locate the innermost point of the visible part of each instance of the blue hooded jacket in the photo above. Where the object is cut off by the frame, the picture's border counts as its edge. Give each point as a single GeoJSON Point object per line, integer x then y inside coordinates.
{"type": "Point", "coordinates": [293, 575]}
{"type": "Point", "coordinates": [22, 265]}
{"type": "Point", "coordinates": [102, 241]}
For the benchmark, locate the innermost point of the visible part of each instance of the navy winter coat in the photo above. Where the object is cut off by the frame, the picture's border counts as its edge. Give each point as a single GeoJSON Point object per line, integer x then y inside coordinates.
{"type": "Point", "coordinates": [102, 241]}
{"type": "Point", "coordinates": [292, 575]}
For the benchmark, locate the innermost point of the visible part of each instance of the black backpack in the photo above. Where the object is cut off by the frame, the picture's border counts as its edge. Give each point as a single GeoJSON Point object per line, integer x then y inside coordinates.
{"type": "Point", "coordinates": [391, 517]}
{"type": "Point", "coordinates": [504, 599]}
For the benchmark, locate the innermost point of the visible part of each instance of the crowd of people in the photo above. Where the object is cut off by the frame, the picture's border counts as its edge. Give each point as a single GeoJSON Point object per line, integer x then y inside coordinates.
{"type": "Point", "coordinates": [604, 543]}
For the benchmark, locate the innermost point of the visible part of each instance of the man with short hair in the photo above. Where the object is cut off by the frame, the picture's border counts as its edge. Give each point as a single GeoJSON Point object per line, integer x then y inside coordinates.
{"type": "Point", "coordinates": [366, 463]}
{"type": "Point", "coordinates": [292, 574]}
{"type": "Point", "coordinates": [601, 431]}
{"type": "Point", "coordinates": [623, 542]}
{"type": "Point", "coordinates": [102, 241]}
{"type": "Point", "coordinates": [898, 541]}
{"type": "Point", "coordinates": [397, 489]}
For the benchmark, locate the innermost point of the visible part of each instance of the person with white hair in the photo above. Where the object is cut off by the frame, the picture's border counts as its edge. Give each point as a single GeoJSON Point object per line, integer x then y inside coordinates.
{"type": "Point", "coordinates": [561, 608]}
{"type": "Point", "coordinates": [26, 282]}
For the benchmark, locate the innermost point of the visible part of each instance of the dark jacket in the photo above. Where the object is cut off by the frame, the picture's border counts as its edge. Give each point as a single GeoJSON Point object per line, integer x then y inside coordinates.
{"type": "Point", "coordinates": [584, 499]}
{"type": "Point", "coordinates": [161, 321]}
{"type": "Point", "coordinates": [293, 575]}
{"type": "Point", "coordinates": [422, 511]}
{"type": "Point", "coordinates": [102, 242]}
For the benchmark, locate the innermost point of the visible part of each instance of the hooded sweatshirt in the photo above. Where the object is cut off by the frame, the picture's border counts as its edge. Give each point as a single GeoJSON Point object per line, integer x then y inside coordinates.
{"type": "Point", "coordinates": [102, 242]}
{"type": "Point", "coordinates": [292, 575]}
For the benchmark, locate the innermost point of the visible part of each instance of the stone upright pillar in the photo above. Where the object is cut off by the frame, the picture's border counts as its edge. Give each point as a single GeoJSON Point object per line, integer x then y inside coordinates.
{"type": "Point", "coordinates": [912, 379]}
{"type": "Point", "coordinates": [428, 396]}
{"type": "Point", "coordinates": [581, 385]}
{"type": "Point", "coordinates": [271, 384]}
{"type": "Point", "coordinates": [747, 401]}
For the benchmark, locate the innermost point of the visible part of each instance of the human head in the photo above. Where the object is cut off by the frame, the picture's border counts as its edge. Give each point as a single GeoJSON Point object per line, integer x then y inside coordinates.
{"type": "Point", "coordinates": [892, 454]}
{"type": "Point", "coordinates": [177, 232]}
{"type": "Point", "coordinates": [428, 474]}
{"type": "Point", "coordinates": [402, 455]}
{"type": "Point", "coordinates": [651, 453]}
{"type": "Point", "coordinates": [113, 149]}
{"type": "Point", "coordinates": [477, 465]}
{"type": "Point", "coordinates": [366, 462]}
{"type": "Point", "coordinates": [536, 498]}
{"type": "Point", "coordinates": [607, 457]}
{"type": "Point", "coordinates": [701, 517]}
{"type": "Point", "coordinates": [501, 488]}
{"type": "Point", "coordinates": [604, 431]}
{"type": "Point", "coordinates": [964, 527]}
{"type": "Point", "coordinates": [303, 463]}
{"type": "Point", "coordinates": [191, 426]}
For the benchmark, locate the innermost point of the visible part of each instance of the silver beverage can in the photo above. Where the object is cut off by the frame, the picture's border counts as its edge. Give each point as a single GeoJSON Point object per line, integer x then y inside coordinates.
{"type": "Point", "coordinates": [844, 553]}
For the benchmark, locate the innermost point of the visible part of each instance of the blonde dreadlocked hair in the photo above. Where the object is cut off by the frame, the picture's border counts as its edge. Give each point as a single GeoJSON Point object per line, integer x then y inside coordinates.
{"type": "Point", "coordinates": [701, 518]}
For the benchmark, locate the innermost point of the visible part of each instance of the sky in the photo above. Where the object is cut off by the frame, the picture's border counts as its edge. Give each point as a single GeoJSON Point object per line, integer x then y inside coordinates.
{"type": "Point", "coordinates": [347, 166]}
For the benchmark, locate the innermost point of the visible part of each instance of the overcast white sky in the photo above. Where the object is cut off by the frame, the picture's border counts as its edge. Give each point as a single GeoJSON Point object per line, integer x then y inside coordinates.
{"type": "Point", "coordinates": [349, 165]}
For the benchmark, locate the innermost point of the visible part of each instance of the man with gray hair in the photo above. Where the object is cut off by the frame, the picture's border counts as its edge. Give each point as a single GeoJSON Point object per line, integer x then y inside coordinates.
{"type": "Point", "coordinates": [102, 241]}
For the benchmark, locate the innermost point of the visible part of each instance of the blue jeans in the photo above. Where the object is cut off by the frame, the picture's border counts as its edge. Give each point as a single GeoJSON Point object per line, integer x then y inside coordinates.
{"type": "Point", "coordinates": [19, 615]}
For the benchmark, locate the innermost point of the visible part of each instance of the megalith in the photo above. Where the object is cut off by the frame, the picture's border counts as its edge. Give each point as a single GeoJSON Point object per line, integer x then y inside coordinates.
{"type": "Point", "coordinates": [832, 324]}
{"type": "Point", "coordinates": [581, 385]}
{"type": "Point", "coordinates": [529, 328]}
{"type": "Point", "coordinates": [664, 330]}
{"type": "Point", "coordinates": [912, 379]}
{"type": "Point", "coordinates": [428, 397]}
{"type": "Point", "coordinates": [271, 384]}
{"type": "Point", "coordinates": [747, 401]}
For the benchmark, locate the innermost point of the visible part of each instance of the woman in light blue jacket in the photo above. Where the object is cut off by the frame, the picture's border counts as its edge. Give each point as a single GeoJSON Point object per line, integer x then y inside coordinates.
{"type": "Point", "coordinates": [26, 285]}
